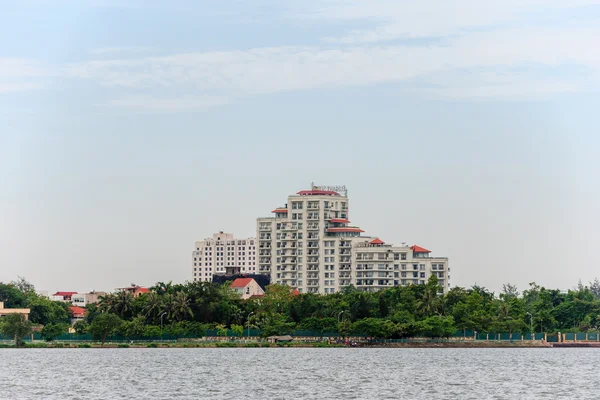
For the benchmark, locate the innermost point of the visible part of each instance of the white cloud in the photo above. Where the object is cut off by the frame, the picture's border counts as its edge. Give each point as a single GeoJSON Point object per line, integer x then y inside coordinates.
{"type": "Point", "coordinates": [18, 75]}
{"type": "Point", "coordinates": [151, 103]}
{"type": "Point", "coordinates": [120, 49]}
{"type": "Point", "coordinates": [228, 75]}
{"type": "Point", "coordinates": [395, 19]}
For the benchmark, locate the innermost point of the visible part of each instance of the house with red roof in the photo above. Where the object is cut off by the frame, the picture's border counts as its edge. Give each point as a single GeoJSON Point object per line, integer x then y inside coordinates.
{"type": "Point", "coordinates": [247, 288]}
{"type": "Point", "coordinates": [62, 296]}
{"type": "Point", "coordinates": [135, 290]}
{"type": "Point", "coordinates": [76, 313]}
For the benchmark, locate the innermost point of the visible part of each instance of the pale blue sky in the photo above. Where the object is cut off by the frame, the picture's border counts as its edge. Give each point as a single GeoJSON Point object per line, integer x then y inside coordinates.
{"type": "Point", "coordinates": [130, 129]}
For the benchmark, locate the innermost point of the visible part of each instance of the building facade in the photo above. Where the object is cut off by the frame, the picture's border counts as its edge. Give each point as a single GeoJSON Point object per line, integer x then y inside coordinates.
{"type": "Point", "coordinates": [310, 245]}
{"type": "Point", "coordinates": [223, 254]}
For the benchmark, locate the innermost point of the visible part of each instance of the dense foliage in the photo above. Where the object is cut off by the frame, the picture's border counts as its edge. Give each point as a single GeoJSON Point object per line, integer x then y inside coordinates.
{"type": "Point", "coordinates": [417, 310]}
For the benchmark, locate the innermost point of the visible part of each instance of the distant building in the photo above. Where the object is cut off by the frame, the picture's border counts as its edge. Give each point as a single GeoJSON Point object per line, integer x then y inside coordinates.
{"type": "Point", "coordinates": [62, 296]}
{"type": "Point", "coordinates": [223, 255]}
{"type": "Point", "coordinates": [83, 299]}
{"type": "Point", "coordinates": [6, 311]}
{"type": "Point", "coordinates": [310, 245]}
{"type": "Point", "coordinates": [135, 290]}
{"type": "Point", "coordinates": [76, 313]}
{"type": "Point", "coordinates": [262, 280]}
{"type": "Point", "coordinates": [247, 287]}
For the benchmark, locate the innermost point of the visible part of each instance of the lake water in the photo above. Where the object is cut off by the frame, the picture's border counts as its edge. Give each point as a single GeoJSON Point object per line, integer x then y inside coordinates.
{"type": "Point", "coordinates": [296, 374]}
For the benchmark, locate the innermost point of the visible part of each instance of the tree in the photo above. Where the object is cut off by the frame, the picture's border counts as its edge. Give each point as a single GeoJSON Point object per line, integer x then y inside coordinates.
{"type": "Point", "coordinates": [222, 330]}
{"type": "Point", "coordinates": [81, 327]}
{"type": "Point", "coordinates": [437, 326]}
{"type": "Point", "coordinates": [52, 331]}
{"type": "Point", "coordinates": [11, 296]}
{"type": "Point", "coordinates": [133, 328]}
{"type": "Point", "coordinates": [45, 311]}
{"type": "Point", "coordinates": [24, 286]}
{"type": "Point", "coordinates": [15, 325]}
{"type": "Point", "coordinates": [237, 329]}
{"type": "Point", "coordinates": [104, 325]}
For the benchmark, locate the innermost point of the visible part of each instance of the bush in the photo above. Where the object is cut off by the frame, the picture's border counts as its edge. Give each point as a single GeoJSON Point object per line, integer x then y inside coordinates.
{"type": "Point", "coordinates": [152, 345]}
{"type": "Point", "coordinates": [251, 345]}
{"type": "Point", "coordinates": [84, 346]}
{"type": "Point", "coordinates": [123, 346]}
{"type": "Point", "coordinates": [225, 344]}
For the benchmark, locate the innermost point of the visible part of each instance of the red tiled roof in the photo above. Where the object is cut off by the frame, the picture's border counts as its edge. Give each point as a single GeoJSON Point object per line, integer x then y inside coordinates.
{"type": "Point", "coordinates": [339, 221]}
{"type": "Point", "coordinates": [295, 292]}
{"type": "Point", "coordinates": [64, 294]}
{"type": "Point", "coordinates": [77, 311]}
{"type": "Point", "coordinates": [241, 282]}
{"type": "Point", "coordinates": [377, 241]}
{"type": "Point", "coordinates": [280, 210]}
{"type": "Point", "coordinates": [317, 193]}
{"type": "Point", "coordinates": [345, 229]}
{"type": "Point", "coordinates": [256, 296]}
{"type": "Point", "coordinates": [142, 290]}
{"type": "Point", "coordinates": [418, 249]}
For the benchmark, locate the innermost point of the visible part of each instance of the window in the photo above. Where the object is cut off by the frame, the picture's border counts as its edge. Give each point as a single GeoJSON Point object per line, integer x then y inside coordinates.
{"type": "Point", "coordinates": [403, 256]}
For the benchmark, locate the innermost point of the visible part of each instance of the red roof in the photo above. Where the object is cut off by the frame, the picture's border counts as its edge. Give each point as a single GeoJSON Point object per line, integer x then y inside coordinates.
{"type": "Point", "coordinates": [241, 282]}
{"type": "Point", "coordinates": [345, 229]}
{"type": "Point", "coordinates": [280, 210]}
{"type": "Point", "coordinates": [339, 221]}
{"type": "Point", "coordinates": [317, 193]}
{"type": "Point", "coordinates": [418, 249]}
{"type": "Point", "coordinates": [64, 294]}
{"type": "Point", "coordinates": [377, 241]}
{"type": "Point", "coordinates": [142, 290]}
{"type": "Point", "coordinates": [295, 292]}
{"type": "Point", "coordinates": [77, 311]}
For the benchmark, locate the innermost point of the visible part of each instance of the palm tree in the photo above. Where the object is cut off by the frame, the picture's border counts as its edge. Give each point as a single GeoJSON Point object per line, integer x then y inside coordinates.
{"type": "Point", "coordinates": [181, 306]}
{"type": "Point", "coordinates": [107, 303]}
{"type": "Point", "coordinates": [152, 306]}
{"type": "Point", "coordinates": [123, 304]}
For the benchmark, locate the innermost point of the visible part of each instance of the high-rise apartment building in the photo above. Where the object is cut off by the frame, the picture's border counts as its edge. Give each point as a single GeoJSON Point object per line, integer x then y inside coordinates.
{"type": "Point", "coordinates": [223, 254]}
{"type": "Point", "coordinates": [310, 245]}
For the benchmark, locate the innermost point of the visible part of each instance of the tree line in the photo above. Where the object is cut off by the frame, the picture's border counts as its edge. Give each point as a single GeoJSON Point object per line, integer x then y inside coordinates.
{"type": "Point", "coordinates": [192, 308]}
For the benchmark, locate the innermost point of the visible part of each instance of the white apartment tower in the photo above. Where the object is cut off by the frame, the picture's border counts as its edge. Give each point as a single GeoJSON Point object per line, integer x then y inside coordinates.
{"type": "Point", "coordinates": [223, 254]}
{"type": "Point", "coordinates": [310, 245]}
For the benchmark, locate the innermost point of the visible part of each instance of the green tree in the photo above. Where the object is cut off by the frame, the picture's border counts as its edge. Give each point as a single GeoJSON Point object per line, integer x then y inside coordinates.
{"type": "Point", "coordinates": [81, 327]}
{"type": "Point", "coordinates": [45, 311]}
{"type": "Point", "coordinates": [437, 326]}
{"type": "Point", "coordinates": [52, 331]}
{"type": "Point", "coordinates": [104, 325]}
{"type": "Point", "coordinates": [133, 328]}
{"type": "Point", "coordinates": [222, 330]}
{"type": "Point", "coordinates": [237, 329]}
{"type": "Point", "coordinates": [15, 325]}
{"type": "Point", "coordinates": [12, 296]}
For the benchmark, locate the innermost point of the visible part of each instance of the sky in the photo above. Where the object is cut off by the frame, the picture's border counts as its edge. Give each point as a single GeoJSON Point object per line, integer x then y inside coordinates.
{"type": "Point", "coordinates": [131, 128]}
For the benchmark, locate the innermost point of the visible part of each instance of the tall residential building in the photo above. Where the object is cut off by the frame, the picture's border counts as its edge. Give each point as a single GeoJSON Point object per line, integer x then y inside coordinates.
{"type": "Point", "coordinates": [310, 245]}
{"type": "Point", "coordinates": [223, 254]}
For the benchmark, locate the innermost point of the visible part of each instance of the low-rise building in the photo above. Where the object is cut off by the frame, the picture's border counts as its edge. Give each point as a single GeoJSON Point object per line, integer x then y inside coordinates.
{"type": "Point", "coordinates": [63, 296]}
{"type": "Point", "coordinates": [76, 313]}
{"type": "Point", "coordinates": [247, 287]}
{"type": "Point", "coordinates": [135, 290]}
{"type": "Point", "coordinates": [83, 299]}
{"type": "Point", "coordinates": [6, 311]}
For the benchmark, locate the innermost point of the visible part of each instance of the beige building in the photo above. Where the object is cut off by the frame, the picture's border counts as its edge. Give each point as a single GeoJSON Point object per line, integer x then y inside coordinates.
{"type": "Point", "coordinates": [223, 254]}
{"type": "Point", "coordinates": [247, 287]}
{"type": "Point", "coordinates": [6, 311]}
{"type": "Point", "coordinates": [310, 245]}
{"type": "Point", "coordinates": [83, 299]}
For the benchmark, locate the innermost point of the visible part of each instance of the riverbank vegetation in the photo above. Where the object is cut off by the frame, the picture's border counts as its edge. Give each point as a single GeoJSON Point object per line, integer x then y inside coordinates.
{"type": "Point", "coordinates": [201, 309]}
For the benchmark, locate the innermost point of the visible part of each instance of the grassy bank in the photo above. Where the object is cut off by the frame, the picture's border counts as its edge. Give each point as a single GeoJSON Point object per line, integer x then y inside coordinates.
{"type": "Point", "coordinates": [466, 344]}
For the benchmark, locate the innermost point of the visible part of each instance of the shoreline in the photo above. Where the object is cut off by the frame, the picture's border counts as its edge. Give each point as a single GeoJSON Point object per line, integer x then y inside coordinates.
{"type": "Point", "coordinates": [231, 345]}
